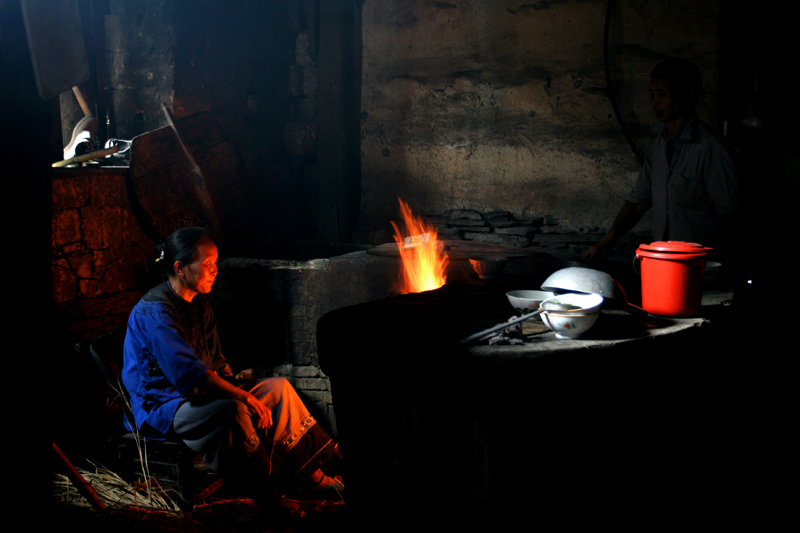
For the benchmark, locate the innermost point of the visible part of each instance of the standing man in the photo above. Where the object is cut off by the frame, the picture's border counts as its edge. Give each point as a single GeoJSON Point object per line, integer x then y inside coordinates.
{"type": "Point", "coordinates": [689, 175]}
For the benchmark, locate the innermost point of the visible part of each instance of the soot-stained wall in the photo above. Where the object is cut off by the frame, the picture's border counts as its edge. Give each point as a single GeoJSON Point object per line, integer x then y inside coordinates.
{"type": "Point", "coordinates": [490, 115]}
{"type": "Point", "coordinates": [480, 106]}
{"type": "Point", "coordinates": [502, 105]}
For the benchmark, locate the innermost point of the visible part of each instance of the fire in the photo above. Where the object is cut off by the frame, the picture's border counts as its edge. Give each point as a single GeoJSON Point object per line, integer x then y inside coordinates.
{"type": "Point", "coordinates": [424, 261]}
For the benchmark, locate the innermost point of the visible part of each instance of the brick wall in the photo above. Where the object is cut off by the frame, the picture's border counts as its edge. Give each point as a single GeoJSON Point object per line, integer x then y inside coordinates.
{"type": "Point", "coordinates": [99, 253]}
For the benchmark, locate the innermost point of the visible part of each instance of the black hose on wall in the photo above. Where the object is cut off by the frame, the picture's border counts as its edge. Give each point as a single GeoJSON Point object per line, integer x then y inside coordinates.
{"type": "Point", "coordinates": [612, 93]}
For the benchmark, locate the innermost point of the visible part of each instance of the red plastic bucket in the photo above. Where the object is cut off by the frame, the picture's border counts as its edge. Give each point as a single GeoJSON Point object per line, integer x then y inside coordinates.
{"type": "Point", "coordinates": [672, 277]}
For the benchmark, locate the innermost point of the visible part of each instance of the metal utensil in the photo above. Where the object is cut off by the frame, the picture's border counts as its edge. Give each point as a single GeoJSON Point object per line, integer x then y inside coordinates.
{"type": "Point", "coordinates": [544, 306]}
{"type": "Point", "coordinates": [97, 154]}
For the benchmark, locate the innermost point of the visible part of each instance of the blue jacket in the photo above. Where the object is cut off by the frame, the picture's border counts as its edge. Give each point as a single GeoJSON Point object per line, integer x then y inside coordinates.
{"type": "Point", "coordinates": [169, 344]}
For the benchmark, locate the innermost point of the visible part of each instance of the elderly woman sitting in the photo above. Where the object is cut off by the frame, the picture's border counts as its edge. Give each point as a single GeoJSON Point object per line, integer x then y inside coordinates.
{"type": "Point", "coordinates": [257, 433]}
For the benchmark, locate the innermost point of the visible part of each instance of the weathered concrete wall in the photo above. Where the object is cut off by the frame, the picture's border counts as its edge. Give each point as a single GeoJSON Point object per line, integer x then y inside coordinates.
{"type": "Point", "coordinates": [268, 312]}
{"type": "Point", "coordinates": [499, 105]}
{"type": "Point", "coordinates": [140, 48]}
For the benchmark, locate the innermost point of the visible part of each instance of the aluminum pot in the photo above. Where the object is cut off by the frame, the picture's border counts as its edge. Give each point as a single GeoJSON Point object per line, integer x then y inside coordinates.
{"type": "Point", "coordinates": [590, 281]}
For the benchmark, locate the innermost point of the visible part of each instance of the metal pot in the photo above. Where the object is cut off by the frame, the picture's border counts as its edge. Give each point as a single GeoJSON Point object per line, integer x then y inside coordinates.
{"type": "Point", "coordinates": [589, 280]}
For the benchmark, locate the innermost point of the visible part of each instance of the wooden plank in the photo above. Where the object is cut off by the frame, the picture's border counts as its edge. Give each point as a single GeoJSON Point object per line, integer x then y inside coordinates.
{"type": "Point", "coordinates": [162, 182]}
{"type": "Point", "coordinates": [57, 47]}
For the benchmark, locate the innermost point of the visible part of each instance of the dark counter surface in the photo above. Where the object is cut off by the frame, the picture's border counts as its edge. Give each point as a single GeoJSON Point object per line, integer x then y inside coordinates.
{"type": "Point", "coordinates": [614, 327]}
{"type": "Point", "coordinates": [633, 414]}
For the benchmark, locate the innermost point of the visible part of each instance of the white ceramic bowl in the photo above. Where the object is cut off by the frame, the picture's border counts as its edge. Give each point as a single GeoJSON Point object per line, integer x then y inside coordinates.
{"type": "Point", "coordinates": [488, 267]}
{"type": "Point", "coordinates": [573, 323]}
{"type": "Point", "coordinates": [586, 302]}
{"type": "Point", "coordinates": [527, 301]}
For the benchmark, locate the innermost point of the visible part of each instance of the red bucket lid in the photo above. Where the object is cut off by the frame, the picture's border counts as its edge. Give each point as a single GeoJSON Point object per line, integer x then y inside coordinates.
{"type": "Point", "coordinates": [675, 247]}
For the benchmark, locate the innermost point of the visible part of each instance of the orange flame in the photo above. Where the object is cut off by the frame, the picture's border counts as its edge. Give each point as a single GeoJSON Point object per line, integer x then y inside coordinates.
{"type": "Point", "coordinates": [424, 262]}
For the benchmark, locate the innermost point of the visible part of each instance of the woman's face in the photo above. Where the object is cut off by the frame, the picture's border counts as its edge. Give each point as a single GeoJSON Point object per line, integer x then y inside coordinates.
{"type": "Point", "coordinates": [198, 275]}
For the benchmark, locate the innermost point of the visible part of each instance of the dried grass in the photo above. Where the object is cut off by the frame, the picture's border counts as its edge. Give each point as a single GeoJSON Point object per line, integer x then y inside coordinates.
{"type": "Point", "coordinates": [137, 507]}
{"type": "Point", "coordinates": [145, 506]}
{"type": "Point", "coordinates": [114, 491]}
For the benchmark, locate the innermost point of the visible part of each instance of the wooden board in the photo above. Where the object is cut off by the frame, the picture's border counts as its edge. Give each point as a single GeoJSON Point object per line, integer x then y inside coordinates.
{"type": "Point", "coordinates": [55, 40]}
{"type": "Point", "coordinates": [163, 185]}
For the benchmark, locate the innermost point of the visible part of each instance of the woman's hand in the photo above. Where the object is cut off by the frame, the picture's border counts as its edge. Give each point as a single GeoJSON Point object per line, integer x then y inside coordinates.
{"type": "Point", "coordinates": [262, 416]}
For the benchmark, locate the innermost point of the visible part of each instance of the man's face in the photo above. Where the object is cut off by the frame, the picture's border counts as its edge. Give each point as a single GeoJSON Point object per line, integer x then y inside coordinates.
{"type": "Point", "coordinates": [668, 105]}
